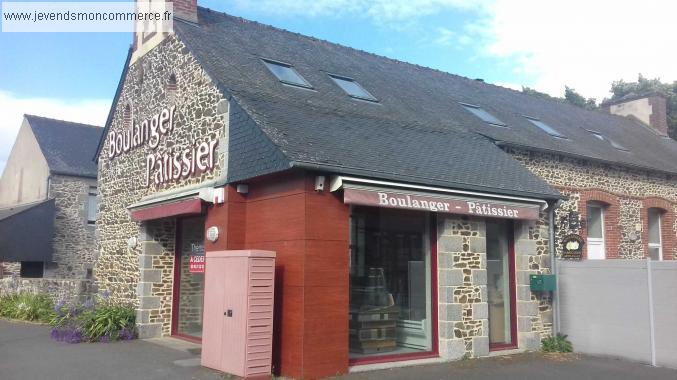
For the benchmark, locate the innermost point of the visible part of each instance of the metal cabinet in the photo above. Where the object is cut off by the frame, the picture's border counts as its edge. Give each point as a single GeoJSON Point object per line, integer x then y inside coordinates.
{"type": "Point", "coordinates": [237, 335]}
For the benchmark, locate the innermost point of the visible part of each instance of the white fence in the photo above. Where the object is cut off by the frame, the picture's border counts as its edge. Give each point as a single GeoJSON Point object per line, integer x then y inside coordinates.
{"type": "Point", "coordinates": [621, 308]}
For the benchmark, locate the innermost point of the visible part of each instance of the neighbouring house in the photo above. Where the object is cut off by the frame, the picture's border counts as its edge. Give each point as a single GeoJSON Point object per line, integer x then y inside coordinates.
{"type": "Point", "coordinates": [407, 206]}
{"type": "Point", "coordinates": [48, 207]}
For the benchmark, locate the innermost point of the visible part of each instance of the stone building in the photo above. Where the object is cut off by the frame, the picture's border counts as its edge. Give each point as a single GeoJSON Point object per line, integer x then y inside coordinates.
{"type": "Point", "coordinates": [48, 201]}
{"type": "Point", "coordinates": [387, 190]}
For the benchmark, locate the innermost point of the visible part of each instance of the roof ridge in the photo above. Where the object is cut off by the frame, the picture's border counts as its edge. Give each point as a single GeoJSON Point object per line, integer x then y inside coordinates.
{"type": "Point", "coordinates": [73, 123]}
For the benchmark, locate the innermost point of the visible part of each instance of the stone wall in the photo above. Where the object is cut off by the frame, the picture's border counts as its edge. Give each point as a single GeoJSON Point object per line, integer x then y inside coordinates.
{"type": "Point", "coordinates": [463, 300]}
{"type": "Point", "coordinates": [74, 238]}
{"type": "Point", "coordinates": [68, 290]}
{"type": "Point", "coordinates": [144, 272]}
{"type": "Point", "coordinates": [8, 269]}
{"type": "Point", "coordinates": [626, 192]}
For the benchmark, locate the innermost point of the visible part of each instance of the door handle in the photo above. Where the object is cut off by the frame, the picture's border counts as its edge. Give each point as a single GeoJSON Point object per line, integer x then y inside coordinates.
{"type": "Point", "coordinates": [228, 313]}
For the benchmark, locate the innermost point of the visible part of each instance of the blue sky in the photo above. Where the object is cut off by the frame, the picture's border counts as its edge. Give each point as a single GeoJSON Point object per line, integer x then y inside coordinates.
{"type": "Point", "coordinates": [541, 44]}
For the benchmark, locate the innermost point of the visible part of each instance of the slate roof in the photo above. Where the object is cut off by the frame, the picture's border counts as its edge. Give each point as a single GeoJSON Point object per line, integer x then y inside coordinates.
{"type": "Point", "coordinates": [68, 147]}
{"type": "Point", "coordinates": [403, 137]}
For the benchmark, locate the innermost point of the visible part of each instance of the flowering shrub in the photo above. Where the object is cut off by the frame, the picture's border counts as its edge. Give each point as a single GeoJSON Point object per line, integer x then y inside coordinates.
{"type": "Point", "coordinates": [95, 320]}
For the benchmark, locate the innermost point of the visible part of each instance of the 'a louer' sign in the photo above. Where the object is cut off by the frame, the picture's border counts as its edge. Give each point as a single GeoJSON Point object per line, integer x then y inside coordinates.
{"type": "Point", "coordinates": [164, 166]}
{"type": "Point", "coordinates": [441, 203]}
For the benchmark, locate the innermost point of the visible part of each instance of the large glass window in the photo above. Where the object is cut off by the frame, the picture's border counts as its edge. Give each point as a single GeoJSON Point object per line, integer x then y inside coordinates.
{"type": "Point", "coordinates": [655, 244]}
{"type": "Point", "coordinates": [190, 281]}
{"type": "Point", "coordinates": [390, 282]}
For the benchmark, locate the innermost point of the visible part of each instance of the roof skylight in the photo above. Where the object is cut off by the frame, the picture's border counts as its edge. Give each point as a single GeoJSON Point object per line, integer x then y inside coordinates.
{"type": "Point", "coordinates": [286, 73]}
{"type": "Point", "coordinates": [352, 88]}
{"type": "Point", "coordinates": [610, 141]}
{"type": "Point", "coordinates": [484, 115]}
{"type": "Point", "coordinates": [545, 127]}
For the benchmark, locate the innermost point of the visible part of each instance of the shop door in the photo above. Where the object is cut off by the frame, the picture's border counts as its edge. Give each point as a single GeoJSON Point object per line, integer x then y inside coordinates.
{"type": "Point", "coordinates": [595, 222]}
{"type": "Point", "coordinates": [501, 285]}
{"type": "Point", "coordinates": [189, 279]}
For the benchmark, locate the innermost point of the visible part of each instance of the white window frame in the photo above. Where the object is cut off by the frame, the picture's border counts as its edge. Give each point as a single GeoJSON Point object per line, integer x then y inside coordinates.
{"type": "Point", "coordinates": [598, 240]}
{"type": "Point", "coordinates": [658, 245]}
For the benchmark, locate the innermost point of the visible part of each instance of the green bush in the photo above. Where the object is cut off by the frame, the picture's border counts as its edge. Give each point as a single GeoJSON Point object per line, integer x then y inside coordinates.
{"type": "Point", "coordinates": [558, 343]}
{"type": "Point", "coordinates": [27, 307]}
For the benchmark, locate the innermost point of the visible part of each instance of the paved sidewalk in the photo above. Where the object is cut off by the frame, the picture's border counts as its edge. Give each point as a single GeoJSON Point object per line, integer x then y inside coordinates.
{"type": "Point", "coordinates": [28, 353]}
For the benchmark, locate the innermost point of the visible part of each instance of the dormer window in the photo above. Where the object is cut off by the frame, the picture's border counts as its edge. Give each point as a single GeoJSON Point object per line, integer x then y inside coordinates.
{"type": "Point", "coordinates": [611, 142]}
{"type": "Point", "coordinates": [483, 115]}
{"type": "Point", "coordinates": [352, 88]}
{"type": "Point", "coordinates": [545, 127]}
{"type": "Point", "coordinates": [286, 74]}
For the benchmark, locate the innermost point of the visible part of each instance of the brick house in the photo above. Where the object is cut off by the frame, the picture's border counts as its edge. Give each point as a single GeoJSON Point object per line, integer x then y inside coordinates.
{"type": "Point", "coordinates": [383, 187]}
{"type": "Point", "coordinates": [48, 208]}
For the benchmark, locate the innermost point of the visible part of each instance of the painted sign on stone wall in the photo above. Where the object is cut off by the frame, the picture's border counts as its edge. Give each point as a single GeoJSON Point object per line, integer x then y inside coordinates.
{"type": "Point", "coordinates": [168, 165]}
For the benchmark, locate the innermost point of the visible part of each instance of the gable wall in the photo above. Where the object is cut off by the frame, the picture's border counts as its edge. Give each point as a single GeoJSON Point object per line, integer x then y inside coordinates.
{"type": "Point", "coordinates": [199, 116]}
{"type": "Point", "coordinates": [24, 179]}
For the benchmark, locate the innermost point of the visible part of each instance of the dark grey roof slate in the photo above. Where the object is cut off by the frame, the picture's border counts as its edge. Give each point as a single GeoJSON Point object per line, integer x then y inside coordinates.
{"type": "Point", "coordinates": [230, 48]}
{"type": "Point", "coordinates": [68, 147]}
{"type": "Point", "coordinates": [403, 137]}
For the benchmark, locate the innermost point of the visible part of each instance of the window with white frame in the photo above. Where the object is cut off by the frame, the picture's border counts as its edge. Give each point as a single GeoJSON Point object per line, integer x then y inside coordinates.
{"type": "Point", "coordinates": [91, 205]}
{"type": "Point", "coordinates": [655, 243]}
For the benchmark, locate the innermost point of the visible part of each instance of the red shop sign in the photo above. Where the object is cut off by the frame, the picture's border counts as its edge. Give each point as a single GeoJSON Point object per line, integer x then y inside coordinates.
{"type": "Point", "coordinates": [197, 264]}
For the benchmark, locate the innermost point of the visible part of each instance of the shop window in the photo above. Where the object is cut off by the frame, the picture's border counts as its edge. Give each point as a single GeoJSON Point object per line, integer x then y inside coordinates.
{"type": "Point", "coordinates": [91, 205]}
{"type": "Point", "coordinates": [595, 229]}
{"type": "Point", "coordinates": [390, 283]}
{"type": "Point", "coordinates": [545, 127]}
{"type": "Point", "coordinates": [483, 115]}
{"type": "Point", "coordinates": [655, 240]}
{"type": "Point", "coordinates": [286, 73]}
{"type": "Point", "coordinates": [32, 269]}
{"type": "Point", "coordinates": [352, 88]}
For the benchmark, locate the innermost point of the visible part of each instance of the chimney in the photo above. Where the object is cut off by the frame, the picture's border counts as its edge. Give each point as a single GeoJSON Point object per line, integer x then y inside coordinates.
{"type": "Point", "coordinates": [185, 10]}
{"type": "Point", "coordinates": [651, 109]}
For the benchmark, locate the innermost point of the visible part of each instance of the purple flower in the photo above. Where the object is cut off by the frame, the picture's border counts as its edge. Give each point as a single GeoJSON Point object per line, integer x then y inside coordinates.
{"type": "Point", "coordinates": [105, 294]}
{"type": "Point", "coordinates": [89, 304]}
{"type": "Point", "coordinates": [104, 339]}
{"type": "Point", "coordinates": [58, 306]}
{"type": "Point", "coordinates": [74, 336]}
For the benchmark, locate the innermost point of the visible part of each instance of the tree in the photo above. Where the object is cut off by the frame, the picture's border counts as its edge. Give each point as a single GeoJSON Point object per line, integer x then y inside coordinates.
{"type": "Point", "coordinates": [644, 85]}
{"type": "Point", "coordinates": [573, 97]}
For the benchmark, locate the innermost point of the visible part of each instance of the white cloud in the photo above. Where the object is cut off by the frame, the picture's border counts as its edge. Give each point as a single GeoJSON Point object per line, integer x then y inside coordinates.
{"type": "Point", "coordinates": [380, 11]}
{"type": "Point", "coordinates": [584, 44]}
{"type": "Point", "coordinates": [12, 109]}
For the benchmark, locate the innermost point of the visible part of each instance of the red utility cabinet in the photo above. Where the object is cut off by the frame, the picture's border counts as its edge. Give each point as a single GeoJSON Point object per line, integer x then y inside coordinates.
{"type": "Point", "coordinates": [237, 334]}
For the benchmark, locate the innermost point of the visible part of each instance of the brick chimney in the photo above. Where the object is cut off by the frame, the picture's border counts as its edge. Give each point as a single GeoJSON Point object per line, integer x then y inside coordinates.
{"type": "Point", "coordinates": [651, 109]}
{"type": "Point", "coordinates": [185, 10]}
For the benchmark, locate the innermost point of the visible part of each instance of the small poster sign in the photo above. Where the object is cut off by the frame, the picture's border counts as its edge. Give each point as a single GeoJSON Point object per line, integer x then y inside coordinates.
{"type": "Point", "coordinates": [197, 264]}
{"type": "Point", "coordinates": [572, 247]}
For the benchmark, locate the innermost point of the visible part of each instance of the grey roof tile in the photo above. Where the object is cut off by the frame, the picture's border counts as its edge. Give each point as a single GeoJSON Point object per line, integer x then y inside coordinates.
{"type": "Point", "coordinates": [68, 147]}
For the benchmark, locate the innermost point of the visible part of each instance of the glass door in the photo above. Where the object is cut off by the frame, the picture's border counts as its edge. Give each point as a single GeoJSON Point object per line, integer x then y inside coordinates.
{"type": "Point", "coordinates": [189, 279]}
{"type": "Point", "coordinates": [501, 285]}
{"type": "Point", "coordinates": [595, 222]}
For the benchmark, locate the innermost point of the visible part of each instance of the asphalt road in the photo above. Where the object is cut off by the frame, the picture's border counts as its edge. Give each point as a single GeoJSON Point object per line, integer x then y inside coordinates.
{"type": "Point", "coordinates": [28, 353]}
